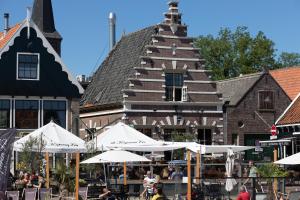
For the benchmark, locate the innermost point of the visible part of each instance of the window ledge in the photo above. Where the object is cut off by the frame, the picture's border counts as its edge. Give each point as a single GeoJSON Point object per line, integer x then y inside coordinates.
{"type": "Point", "coordinates": [266, 110]}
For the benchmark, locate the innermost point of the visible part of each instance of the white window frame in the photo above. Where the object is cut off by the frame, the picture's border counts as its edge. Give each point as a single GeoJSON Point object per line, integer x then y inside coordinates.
{"type": "Point", "coordinates": [184, 93]}
{"type": "Point", "coordinates": [176, 87]}
{"type": "Point", "coordinates": [38, 67]}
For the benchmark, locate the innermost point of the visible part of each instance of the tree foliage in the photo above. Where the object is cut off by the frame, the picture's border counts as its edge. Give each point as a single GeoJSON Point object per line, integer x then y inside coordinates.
{"type": "Point", "coordinates": [288, 59]}
{"type": "Point", "coordinates": [232, 53]}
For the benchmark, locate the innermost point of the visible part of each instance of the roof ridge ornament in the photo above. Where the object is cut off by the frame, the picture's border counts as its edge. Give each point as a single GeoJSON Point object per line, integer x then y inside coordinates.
{"type": "Point", "coordinates": [28, 18]}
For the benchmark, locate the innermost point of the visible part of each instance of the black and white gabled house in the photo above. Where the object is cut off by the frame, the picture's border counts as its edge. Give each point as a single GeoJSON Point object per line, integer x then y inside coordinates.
{"type": "Point", "coordinates": [35, 85]}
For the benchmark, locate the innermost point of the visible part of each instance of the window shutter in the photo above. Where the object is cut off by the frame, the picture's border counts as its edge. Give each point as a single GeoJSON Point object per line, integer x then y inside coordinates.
{"type": "Point", "coordinates": [184, 95]}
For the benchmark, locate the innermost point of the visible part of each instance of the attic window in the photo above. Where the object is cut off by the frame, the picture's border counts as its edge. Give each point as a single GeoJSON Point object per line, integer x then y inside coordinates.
{"type": "Point", "coordinates": [266, 100]}
{"type": "Point", "coordinates": [28, 66]}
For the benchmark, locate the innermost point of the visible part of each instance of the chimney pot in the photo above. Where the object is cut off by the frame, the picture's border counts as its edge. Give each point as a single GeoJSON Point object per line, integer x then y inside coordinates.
{"type": "Point", "coordinates": [112, 30]}
{"type": "Point", "coordinates": [6, 23]}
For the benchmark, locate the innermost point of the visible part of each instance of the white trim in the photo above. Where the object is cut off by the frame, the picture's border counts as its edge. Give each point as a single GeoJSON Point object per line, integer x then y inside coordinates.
{"type": "Point", "coordinates": [146, 80]}
{"type": "Point", "coordinates": [284, 112]}
{"type": "Point", "coordinates": [173, 37]}
{"type": "Point", "coordinates": [193, 81]}
{"type": "Point", "coordinates": [287, 125]}
{"type": "Point", "coordinates": [38, 66]}
{"type": "Point", "coordinates": [172, 58]}
{"type": "Point", "coordinates": [196, 92]}
{"type": "Point", "coordinates": [93, 114]}
{"type": "Point", "coordinates": [172, 103]}
{"type": "Point", "coordinates": [168, 47]}
{"type": "Point", "coordinates": [48, 47]}
{"type": "Point", "coordinates": [173, 111]}
{"type": "Point", "coordinates": [161, 69]}
{"type": "Point", "coordinates": [143, 91]}
{"type": "Point", "coordinates": [148, 68]}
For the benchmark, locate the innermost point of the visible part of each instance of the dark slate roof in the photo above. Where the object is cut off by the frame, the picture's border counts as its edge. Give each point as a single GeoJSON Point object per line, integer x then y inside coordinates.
{"type": "Point", "coordinates": [112, 75]}
{"type": "Point", "coordinates": [42, 15]}
{"type": "Point", "coordinates": [235, 89]}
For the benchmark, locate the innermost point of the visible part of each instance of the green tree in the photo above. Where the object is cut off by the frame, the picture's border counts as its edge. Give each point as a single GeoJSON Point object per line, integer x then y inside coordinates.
{"type": "Point", "coordinates": [271, 171]}
{"type": "Point", "coordinates": [233, 53]}
{"type": "Point", "coordinates": [288, 59]}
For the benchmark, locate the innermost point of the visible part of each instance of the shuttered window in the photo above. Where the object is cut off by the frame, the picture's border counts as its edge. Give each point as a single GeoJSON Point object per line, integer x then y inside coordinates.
{"type": "Point", "coordinates": [266, 100]}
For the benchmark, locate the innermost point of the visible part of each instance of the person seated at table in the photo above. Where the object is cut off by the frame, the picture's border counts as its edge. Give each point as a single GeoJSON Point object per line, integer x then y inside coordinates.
{"type": "Point", "coordinates": [34, 178]}
{"type": "Point", "coordinates": [177, 174]}
{"type": "Point", "coordinates": [40, 183]}
{"type": "Point", "coordinates": [26, 180]}
{"type": "Point", "coordinates": [158, 194]}
{"type": "Point", "coordinates": [148, 184]}
{"type": "Point", "coordinates": [106, 195]}
{"type": "Point", "coordinates": [243, 195]}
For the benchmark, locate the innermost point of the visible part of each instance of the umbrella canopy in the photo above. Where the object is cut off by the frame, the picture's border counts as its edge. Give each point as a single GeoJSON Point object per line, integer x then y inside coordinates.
{"type": "Point", "coordinates": [229, 165]}
{"type": "Point", "coordinates": [116, 156]}
{"type": "Point", "coordinates": [121, 134]}
{"type": "Point", "coordinates": [158, 146]}
{"type": "Point", "coordinates": [55, 139]}
{"type": "Point", "coordinates": [290, 160]}
{"type": "Point", "coordinates": [205, 149]}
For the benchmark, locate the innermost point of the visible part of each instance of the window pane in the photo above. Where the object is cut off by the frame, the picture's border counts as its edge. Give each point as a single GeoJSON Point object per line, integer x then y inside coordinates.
{"type": "Point", "coordinates": [4, 114]}
{"type": "Point", "coordinates": [169, 94]}
{"type": "Point", "coordinates": [27, 66]}
{"type": "Point", "coordinates": [169, 79]}
{"type": "Point", "coordinates": [178, 94]}
{"type": "Point", "coordinates": [56, 111]}
{"type": "Point", "coordinates": [26, 114]}
{"type": "Point", "coordinates": [178, 80]}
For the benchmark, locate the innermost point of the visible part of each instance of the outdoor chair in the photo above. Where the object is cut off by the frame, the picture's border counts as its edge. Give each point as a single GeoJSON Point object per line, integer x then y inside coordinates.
{"type": "Point", "coordinates": [29, 194]}
{"type": "Point", "coordinates": [293, 195]}
{"type": "Point", "coordinates": [13, 195]}
{"type": "Point", "coordinates": [136, 191]}
{"type": "Point", "coordinates": [82, 192]}
{"type": "Point", "coordinates": [45, 193]}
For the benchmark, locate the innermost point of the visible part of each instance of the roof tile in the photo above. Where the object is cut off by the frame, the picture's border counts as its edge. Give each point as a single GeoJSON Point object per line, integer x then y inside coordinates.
{"type": "Point", "coordinates": [288, 79]}
{"type": "Point", "coordinates": [292, 116]}
{"type": "Point", "coordinates": [4, 40]}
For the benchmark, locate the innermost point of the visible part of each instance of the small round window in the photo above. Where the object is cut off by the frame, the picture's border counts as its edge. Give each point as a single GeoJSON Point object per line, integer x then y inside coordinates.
{"type": "Point", "coordinates": [241, 124]}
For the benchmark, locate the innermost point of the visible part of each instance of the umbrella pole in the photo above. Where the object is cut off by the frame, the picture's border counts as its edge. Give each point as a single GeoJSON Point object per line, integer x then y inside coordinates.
{"type": "Point", "coordinates": [47, 170]}
{"type": "Point", "coordinates": [189, 192]}
{"type": "Point", "coordinates": [125, 180]}
{"type": "Point", "coordinates": [77, 177]}
{"type": "Point", "coordinates": [198, 168]}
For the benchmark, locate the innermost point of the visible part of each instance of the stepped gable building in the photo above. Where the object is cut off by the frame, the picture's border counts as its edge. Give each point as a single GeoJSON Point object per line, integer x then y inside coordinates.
{"type": "Point", "coordinates": [155, 80]}
{"type": "Point", "coordinates": [253, 102]}
{"type": "Point", "coordinates": [31, 92]}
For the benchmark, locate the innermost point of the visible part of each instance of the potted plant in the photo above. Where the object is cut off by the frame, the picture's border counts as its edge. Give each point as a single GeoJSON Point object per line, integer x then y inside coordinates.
{"type": "Point", "coordinates": [271, 171]}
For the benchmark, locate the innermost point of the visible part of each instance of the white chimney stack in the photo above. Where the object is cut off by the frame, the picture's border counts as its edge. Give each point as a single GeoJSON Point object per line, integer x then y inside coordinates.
{"type": "Point", "coordinates": [112, 30]}
{"type": "Point", "coordinates": [6, 23]}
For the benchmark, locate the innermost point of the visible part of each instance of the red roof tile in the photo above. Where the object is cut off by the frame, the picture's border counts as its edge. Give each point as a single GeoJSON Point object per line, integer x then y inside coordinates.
{"type": "Point", "coordinates": [8, 36]}
{"type": "Point", "coordinates": [288, 79]}
{"type": "Point", "coordinates": [292, 115]}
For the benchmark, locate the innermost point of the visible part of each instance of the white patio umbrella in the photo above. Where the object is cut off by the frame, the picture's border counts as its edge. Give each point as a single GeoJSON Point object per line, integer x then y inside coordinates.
{"type": "Point", "coordinates": [116, 156]}
{"type": "Point", "coordinates": [121, 134]}
{"type": "Point", "coordinates": [290, 160]}
{"type": "Point", "coordinates": [229, 165]}
{"type": "Point", "coordinates": [55, 139]}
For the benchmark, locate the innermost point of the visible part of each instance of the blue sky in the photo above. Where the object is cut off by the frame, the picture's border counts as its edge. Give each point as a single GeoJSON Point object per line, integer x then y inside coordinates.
{"type": "Point", "coordinates": [84, 23]}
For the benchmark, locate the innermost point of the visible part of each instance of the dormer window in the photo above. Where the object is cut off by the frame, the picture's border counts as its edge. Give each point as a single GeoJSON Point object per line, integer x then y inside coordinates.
{"type": "Point", "coordinates": [28, 66]}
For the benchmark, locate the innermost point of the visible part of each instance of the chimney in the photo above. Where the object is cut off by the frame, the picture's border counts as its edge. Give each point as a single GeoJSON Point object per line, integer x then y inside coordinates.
{"type": "Point", "coordinates": [112, 30]}
{"type": "Point", "coordinates": [6, 23]}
